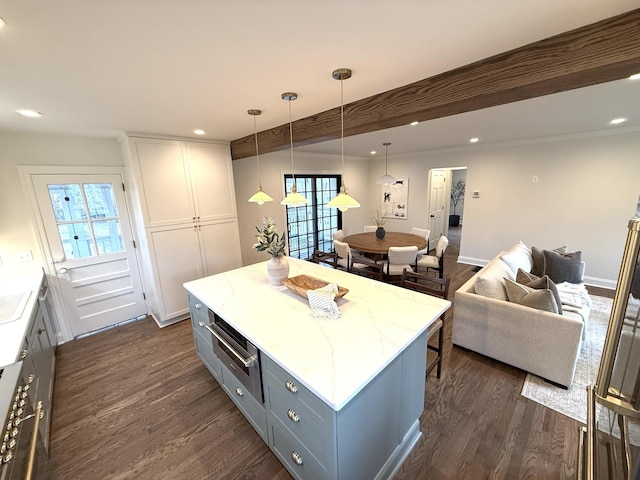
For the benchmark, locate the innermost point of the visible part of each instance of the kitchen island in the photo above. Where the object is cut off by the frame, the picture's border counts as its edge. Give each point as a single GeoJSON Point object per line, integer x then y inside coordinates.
{"type": "Point", "coordinates": [342, 397]}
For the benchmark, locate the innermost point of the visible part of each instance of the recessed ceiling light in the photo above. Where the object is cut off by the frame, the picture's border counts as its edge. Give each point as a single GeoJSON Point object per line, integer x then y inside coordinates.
{"type": "Point", "coordinates": [617, 121]}
{"type": "Point", "coordinates": [474, 140]}
{"type": "Point", "coordinates": [373, 152]}
{"type": "Point", "coordinates": [199, 131]}
{"type": "Point", "coordinates": [635, 76]}
{"type": "Point", "coordinates": [29, 113]}
{"type": "Point", "coordinates": [413, 124]}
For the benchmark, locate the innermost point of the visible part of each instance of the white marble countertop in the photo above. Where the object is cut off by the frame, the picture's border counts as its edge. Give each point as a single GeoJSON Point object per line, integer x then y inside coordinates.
{"type": "Point", "coordinates": [334, 358]}
{"type": "Point", "coordinates": [12, 333]}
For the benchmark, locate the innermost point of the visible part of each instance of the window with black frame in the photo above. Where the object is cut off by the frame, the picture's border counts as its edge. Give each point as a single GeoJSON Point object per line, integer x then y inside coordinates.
{"type": "Point", "coordinates": [311, 226]}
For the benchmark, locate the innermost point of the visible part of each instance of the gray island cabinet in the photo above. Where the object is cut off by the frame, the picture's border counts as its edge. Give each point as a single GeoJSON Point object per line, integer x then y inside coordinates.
{"type": "Point", "coordinates": [342, 397]}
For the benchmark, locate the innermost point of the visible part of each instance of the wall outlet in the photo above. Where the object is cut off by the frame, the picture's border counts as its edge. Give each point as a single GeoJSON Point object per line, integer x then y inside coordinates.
{"type": "Point", "coordinates": [25, 256]}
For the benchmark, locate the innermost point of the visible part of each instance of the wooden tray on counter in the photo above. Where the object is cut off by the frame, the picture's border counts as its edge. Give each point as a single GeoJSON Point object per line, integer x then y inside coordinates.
{"type": "Point", "coordinates": [301, 283]}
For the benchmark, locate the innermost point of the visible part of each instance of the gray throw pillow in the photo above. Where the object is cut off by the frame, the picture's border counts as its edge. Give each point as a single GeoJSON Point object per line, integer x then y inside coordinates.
{"type": "Point", "coordinates": [538, 259]}
{"type": "Point", "coordinates": [563, 267]}
{"type": "Point", "coordinates": [529, 297]}
{"type": "Point", "coordinates": [539, 283]}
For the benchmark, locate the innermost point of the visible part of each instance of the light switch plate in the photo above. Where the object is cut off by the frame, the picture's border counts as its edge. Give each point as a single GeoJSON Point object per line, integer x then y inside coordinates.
{"type": "Point", "coordinates": [25, 256]}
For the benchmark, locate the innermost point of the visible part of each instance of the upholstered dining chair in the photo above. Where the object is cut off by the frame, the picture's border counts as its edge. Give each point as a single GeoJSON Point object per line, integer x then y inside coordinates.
{"type": "Point", "coordinates": [399, 259]}
{"type": "Point", "coordinates": [338, 235]}
{"type": "Point", "coordinates": [370, 228]}
{"type": "Point", "coordinates": [421, 232]}
{"type": "Point", "coordinates": [345, 257]}
{"type": "Point", "coordinates": [436, 261]}
{"type": "Point", "coordinates": [326, 258]}
{"type": "Point", "coordinates": [437, 287]}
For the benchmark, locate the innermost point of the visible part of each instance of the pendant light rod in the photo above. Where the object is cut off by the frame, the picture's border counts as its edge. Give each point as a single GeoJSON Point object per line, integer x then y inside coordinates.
{"type": "Point", "coordinates": [259, 197]}
{"type": "Point", "coordinates": [386, 153]}
{"type": "Point", "coordinates": [342, 201]}
{"type": "Point", "coordinates": [293, 199]}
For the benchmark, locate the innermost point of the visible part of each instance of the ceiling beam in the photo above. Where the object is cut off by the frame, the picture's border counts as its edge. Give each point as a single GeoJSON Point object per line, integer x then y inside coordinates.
{"type": "Point", "coordinates": [601, 52]}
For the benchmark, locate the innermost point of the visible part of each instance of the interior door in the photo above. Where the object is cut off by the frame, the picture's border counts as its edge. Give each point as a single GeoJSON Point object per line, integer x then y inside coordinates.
{"type": "Point", "coordinates": [89, 237]}
{"type": "Point", "coordinates": [437, 182]}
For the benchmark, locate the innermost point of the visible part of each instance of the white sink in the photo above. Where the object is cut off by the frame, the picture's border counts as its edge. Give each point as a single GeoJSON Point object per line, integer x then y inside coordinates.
{"type": "Point", "coordinates": [12, 305]}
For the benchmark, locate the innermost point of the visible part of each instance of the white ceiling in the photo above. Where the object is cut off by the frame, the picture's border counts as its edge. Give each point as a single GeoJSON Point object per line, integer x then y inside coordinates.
{"type": "Point", "coordinates": [102, 67]}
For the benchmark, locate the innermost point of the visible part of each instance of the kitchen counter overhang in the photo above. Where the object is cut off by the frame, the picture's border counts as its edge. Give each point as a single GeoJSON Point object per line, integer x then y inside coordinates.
{"type": "Point", "coordinates": [334, 358]}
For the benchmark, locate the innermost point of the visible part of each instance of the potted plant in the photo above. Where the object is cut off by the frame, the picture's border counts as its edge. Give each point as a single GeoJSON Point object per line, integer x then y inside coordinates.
{"type": "Point", "coordinates": [379, 220]}
{"type": "Point", "coordinates": [271, 242]}
{"type": "Point", "coordinates": [457, 193]}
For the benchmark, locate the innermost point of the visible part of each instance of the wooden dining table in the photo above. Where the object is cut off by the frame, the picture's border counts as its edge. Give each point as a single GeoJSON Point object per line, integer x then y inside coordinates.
{"type": "Point", "coordinates": [367, 242]}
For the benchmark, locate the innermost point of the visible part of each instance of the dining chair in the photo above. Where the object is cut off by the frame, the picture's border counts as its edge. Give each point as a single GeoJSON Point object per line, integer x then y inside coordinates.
{"type": "Point", "coordinates": [437, 287]}
{"type": "Point", "coordinates": [436, 261]}
{"type": "Point", "coordinates": [366, 267]}
{"type": "Point", "coordinates": [370, 228]}
{"type": "Point", "coordinates": [345, 256]}
{"type": "Point", "coordinates": [399, 259]}
{"type": "Point", "coordinates": [421, 232]}
{"type": "Point", "coordinates": [327, 258]}
{"type": "Point", "coordinates": [338, 235]}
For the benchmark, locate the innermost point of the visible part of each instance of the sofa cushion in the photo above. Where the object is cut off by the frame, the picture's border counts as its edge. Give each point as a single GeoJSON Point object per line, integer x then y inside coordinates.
{"type": "Point", "coordinates": [521, 294]}
{"type": "Point", "coordinates": [518, 256]}
{"type": "Point", "coordinates": [539, 283]}
{"type": "Point", "coordinates": [538, 259]}
{"type": "Point", "coordinates": [563, 267]}
{"type": "Point", "coordinates": [490, 280]}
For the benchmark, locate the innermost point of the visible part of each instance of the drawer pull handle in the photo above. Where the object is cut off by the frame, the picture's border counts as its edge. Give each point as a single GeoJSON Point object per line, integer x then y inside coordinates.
{"type": "Point", "coordinates": [296, 457]}
{"type": "Point", "coordinates": [198, 306]}
{"type": "Point", "coordinates": [291, 386]}
{"type": "Point", "coordinates": [239, 392]}
{"type": "Point", "coordinates": [23, 354]}
{"type": "Point", "coordinates": [293, 416]}
{"type": "Point", "coordinates": [201, 324]}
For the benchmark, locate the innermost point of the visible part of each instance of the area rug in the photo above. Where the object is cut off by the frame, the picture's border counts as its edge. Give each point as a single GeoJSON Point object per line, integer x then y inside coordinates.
{"type": "Point", "coordinates": [572, 402]}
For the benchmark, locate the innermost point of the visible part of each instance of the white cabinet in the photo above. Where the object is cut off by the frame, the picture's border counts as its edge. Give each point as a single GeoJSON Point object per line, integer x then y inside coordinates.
{"type": "Point", "coordinates": [184, 203]}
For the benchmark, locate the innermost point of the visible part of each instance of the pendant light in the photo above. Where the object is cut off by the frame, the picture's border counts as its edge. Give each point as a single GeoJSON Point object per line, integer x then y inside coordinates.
{"type": "Point", "coordinates": [259, 197]}
{"type": "Point", "coordinates": [342, 201]}
{"type": "Point", "coordinates": [386, 179]}
{"type": "Point", "coordinates": [293, 199]}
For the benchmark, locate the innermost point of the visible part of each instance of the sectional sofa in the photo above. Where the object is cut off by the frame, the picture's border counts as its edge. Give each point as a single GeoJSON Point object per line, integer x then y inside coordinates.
{"type": "Point", "coordinates": [533, 323]}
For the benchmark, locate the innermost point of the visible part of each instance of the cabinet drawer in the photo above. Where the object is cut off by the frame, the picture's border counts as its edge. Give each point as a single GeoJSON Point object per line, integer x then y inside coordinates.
{"type": "Point", "coordinates": [298, 396]}
{"type": "Point", "coordinates": [249, 406]}
{"type": "Point", "coordinates": [295, 456]}
{"type": "Point", "coordinates": [204, 349]}
{"type": "Point", "coordinates": [301, 425]}
{"type": "Point", "coordinates": [198, 310]}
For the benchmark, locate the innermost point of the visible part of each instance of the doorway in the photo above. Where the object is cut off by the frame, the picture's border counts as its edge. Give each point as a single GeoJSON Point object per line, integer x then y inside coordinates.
{"type": "Point", "coordinates": [88, 246]}
{"type": "Point", "coordinates": [440, 185]}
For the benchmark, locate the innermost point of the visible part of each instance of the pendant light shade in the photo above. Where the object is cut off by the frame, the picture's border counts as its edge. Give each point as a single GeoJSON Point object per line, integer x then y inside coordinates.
{"type": "Point", "coordinates": [342, 201]}
{"type": "Point", "coordinates": [386, 179]}
{"type": "Point", "coordinates": [293, 199]}
{"type": "Point", "coordinates": [259, 197]}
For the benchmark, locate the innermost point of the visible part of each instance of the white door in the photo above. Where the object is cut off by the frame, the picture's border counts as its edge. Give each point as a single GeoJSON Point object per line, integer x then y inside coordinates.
{"type": "Point", "coordinates": [437, 182]}
{"type": "Point", "coordinates": [89, 237]}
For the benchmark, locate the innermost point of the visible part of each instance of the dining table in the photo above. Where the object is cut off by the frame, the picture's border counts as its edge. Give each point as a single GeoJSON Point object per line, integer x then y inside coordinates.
{"type": "Point", "coordinates": [367, 242]}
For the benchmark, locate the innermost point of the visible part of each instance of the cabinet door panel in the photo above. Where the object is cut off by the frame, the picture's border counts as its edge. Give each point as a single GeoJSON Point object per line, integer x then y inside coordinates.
{"type": "Point", "coordinates": [220, 246]}
{"type": "Point", "coordinates": [211, 180]}
{"type": "Point", "coordinates": [176, 257]}
{"type": "Point", "coordinates": [166, 197]}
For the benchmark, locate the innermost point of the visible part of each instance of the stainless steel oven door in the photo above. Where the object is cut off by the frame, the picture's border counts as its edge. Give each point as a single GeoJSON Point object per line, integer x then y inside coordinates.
{"type": "Point", "coordinates": [238, 354]}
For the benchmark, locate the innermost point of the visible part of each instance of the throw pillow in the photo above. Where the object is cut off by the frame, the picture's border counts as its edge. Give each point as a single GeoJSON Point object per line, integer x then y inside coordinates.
{"type": "Point", "coordinates": [538, 259]}
{"type": "Point", "coordinates": [540, 283]}
{"type": "Point", "coordinates": [518, 256]}
{"type": "Point", "coordinates": [490, 280]}
{"type": "Point", "coordinates": [529, 297]}
{"type": "Point", "coordinates": [563, 267]}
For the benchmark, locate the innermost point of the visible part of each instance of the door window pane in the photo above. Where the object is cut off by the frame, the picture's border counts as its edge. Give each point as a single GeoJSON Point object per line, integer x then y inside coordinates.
{"type": "Point", "coordinates": [100, 235]}
{"type": "Point", "coordinates": [67, 202]}
{"type": "Point", "coordinates": [311, 226]}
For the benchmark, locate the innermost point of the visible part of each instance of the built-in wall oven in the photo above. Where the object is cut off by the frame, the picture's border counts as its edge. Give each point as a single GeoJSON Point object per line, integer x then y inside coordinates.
{"type": "Point", "coordinates": [22, 453]}
{"type": "Point", "coordinates": [237, 354]}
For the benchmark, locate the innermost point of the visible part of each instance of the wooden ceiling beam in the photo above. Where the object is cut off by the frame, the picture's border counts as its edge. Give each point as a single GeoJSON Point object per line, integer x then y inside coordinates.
{"type": "Point", "coordinates": [601, 52]}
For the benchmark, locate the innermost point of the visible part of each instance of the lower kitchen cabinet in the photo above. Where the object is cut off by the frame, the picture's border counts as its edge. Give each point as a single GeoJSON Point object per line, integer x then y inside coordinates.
{"type": "Point", "coordinates": [202, 337]}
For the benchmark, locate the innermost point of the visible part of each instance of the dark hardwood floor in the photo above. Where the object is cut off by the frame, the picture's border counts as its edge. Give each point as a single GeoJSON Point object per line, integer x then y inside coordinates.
{"type": "Point", "coordinates": [135, 402]}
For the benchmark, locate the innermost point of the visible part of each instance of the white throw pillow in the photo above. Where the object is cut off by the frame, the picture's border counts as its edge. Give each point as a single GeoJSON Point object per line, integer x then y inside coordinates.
{"type": "Point", "coordinates": [490, 281]}
{"type": "Point", "coordinates": [518, 256]}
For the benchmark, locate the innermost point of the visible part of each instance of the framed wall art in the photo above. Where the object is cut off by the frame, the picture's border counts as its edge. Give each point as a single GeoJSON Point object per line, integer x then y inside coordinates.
{"type": "Point", "coordinates": [394, 200]}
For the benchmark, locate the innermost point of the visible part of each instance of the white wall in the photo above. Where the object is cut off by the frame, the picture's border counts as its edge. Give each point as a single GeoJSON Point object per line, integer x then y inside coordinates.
{"type": "Point", "coordinates": [17, 232]}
